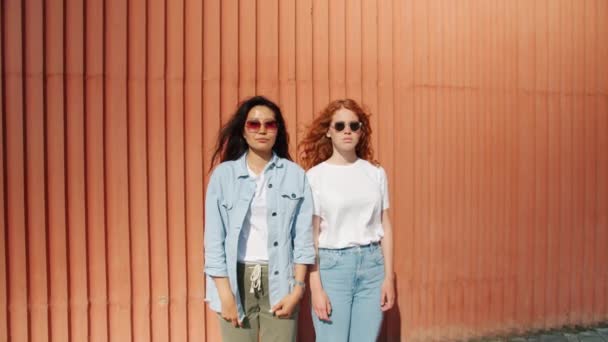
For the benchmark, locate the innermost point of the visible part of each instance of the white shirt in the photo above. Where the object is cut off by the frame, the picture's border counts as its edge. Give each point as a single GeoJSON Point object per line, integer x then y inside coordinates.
{"type": "Point", "coordinates": [349, 199]}
{"type": "Point", "coordinates": [253, 240]}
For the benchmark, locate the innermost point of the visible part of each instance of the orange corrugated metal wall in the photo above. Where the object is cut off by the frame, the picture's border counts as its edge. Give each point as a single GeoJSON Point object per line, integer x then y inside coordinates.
{"type": "Point", "coordinates": [490, 117]}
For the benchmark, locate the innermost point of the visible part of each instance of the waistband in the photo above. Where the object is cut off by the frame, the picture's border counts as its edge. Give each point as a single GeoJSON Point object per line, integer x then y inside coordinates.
{"type": "Point", "coordinates": [369, 245]}
{"type": "Point", "coordinates": [251, 264]}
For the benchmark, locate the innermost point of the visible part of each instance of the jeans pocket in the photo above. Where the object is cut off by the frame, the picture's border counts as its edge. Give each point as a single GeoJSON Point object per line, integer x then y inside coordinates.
{"type": "Point", "coordinates": [327, 260]}
{"type": "Point", "coordinates": [378, 257]}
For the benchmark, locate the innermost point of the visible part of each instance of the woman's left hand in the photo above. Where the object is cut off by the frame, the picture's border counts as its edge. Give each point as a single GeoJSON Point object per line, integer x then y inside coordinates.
{"type": "Point", "coordinates": [286, 306]}
{"type": "Point", "coordinates": [387, 299]}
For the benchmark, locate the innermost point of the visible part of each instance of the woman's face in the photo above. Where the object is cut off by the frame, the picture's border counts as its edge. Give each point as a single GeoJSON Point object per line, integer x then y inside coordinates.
{"type": "Point", "coordinates": [260, 129]}
{"type": "Point", "coordinates": [344, 130]}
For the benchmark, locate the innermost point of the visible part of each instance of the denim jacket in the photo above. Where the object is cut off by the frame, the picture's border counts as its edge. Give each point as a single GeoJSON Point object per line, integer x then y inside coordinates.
{"type": "Point", "coordinates": [290, 238]}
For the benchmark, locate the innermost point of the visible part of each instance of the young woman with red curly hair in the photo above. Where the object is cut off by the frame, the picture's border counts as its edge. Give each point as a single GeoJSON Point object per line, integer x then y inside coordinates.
{"type": "Point", "coordinates": [352, 282]}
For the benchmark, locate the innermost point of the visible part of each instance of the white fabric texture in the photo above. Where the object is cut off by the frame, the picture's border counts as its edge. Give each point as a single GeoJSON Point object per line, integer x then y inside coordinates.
{"type": "Point", "coordinates": [349, 199]}
{"type": "Point", "coordinates": [253, 241]}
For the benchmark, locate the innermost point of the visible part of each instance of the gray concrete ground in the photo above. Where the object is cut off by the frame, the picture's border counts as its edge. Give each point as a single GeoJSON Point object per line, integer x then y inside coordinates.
{"type": "Point", "coordinates": [597, 333]}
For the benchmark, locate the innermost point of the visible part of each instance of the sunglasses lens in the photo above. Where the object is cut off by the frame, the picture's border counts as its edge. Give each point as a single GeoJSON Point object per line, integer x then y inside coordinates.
{"type": "Point", "coordinates": [354, 126]}
{"type": "Point", "coordinates": [253, 125]}
{"type": "Point", "coordinates": [271, 125]}
{"type": "Point", "coordinates": [339, 126]}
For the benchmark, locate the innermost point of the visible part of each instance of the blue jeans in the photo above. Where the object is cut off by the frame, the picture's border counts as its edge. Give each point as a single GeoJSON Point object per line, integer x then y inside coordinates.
{"type": "Point", "coordinates": [352, 278]}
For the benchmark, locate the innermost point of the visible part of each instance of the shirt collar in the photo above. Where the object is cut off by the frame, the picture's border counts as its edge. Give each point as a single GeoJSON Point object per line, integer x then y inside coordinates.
{"type": "Point", "coordinates": [242, 171]}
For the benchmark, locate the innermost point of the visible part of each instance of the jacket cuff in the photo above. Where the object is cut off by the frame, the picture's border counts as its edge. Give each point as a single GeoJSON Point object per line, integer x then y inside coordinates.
{"type": "Point", "coordinates": [308, 259]}
{"type": "Point", "coordinates": [216, 271]}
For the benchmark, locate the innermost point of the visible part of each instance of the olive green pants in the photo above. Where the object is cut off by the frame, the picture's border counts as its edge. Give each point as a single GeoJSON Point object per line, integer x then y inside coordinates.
{"type": "Point", "coordinates": [258, 318]}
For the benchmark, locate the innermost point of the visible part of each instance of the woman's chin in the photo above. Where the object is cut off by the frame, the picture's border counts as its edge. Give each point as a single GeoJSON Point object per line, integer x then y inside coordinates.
{"type": "Point", "coordinates": [261, 148]}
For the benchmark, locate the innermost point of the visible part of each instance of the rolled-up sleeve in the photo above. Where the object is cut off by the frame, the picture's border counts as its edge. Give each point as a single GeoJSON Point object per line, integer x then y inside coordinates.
{"type": "Point", "coordinates": [304, 250]}
{"type": "Point", "coordinates": [215, 230]}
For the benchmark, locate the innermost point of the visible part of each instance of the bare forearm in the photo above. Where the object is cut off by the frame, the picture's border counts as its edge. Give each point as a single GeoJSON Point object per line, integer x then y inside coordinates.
{"type": "Point", "coordinates": [387, 245]}
{"type": "Point", "coordinates": [300, 272]}
{"type": "Point", "coordinates": [315, 277]}
{"type": "Point", "coordinates": [223, 286]}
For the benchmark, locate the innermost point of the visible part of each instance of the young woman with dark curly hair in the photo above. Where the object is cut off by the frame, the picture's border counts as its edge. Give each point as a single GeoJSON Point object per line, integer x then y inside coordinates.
{"type": "Point", "coordinates": [352, 281]}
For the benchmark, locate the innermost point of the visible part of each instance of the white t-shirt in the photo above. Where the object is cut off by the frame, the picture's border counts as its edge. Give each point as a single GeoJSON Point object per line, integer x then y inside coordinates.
{"type": "Point", "coordinates": [349, 199]}
{"type": "Point", "coordinates": [253, 239]}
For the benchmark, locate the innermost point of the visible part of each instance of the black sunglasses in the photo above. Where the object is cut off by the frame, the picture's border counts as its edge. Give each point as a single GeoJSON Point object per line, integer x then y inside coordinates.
{"type": "Point", "coordinates": [339, 126]}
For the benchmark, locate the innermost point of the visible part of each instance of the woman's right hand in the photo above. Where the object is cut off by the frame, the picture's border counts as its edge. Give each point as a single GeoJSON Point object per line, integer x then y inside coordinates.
{"type": "Point", "coordinates": [229, 311]}
{"type": "Point", "coordinates": [321, 304]}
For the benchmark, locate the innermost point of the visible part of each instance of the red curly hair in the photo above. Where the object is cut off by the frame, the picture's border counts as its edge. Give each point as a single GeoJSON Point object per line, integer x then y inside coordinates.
{"type": "Point", "coordinates": [316, 147]}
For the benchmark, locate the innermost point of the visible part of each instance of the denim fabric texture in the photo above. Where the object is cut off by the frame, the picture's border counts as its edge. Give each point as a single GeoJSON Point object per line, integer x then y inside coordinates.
{"type": "Point", "coordinates": [290, 239]}
{"type": "Point", "coordinates": [352, 278]}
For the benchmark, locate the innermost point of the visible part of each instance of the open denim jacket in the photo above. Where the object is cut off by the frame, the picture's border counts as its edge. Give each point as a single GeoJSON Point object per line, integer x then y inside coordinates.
{"type": "Point", "coordinates": [290, 237]}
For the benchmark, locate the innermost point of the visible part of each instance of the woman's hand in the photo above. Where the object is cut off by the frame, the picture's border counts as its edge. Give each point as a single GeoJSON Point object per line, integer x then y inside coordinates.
{"type": "Point", "coordinates": [387, 299]}
{"type": "Point", "coordinates": [229, 311]}
{"type": "Point", "coordinates": [286, 306]}
{"type": "Point", "coordinates": [321, 304]}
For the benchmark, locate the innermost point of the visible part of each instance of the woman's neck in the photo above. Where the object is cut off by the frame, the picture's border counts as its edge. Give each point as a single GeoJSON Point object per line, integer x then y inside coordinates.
{"type": "Point", "coordinates": [343, 157]}
{"type": "Point", "coordinates": [257, 160]}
